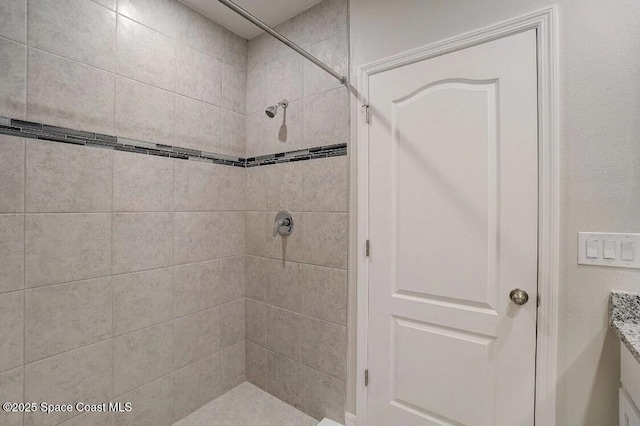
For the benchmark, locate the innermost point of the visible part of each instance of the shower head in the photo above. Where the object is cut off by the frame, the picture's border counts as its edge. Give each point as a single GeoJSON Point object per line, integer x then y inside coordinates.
{"type": "Point", "coordinates": [273, 109]}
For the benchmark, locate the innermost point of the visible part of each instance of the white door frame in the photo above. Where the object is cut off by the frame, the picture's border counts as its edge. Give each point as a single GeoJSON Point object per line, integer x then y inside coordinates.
{"type": "Point", "coordinates": [545, 23]}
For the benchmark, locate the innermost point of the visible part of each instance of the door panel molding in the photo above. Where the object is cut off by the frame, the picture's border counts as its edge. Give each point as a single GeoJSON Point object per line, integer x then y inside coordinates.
{"type": "Point", "coordinates": [545, 23]}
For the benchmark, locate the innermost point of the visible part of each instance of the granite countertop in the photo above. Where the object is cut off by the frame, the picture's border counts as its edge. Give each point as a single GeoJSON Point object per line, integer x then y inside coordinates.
{"type": "Point", "coordinates": [624, 317]}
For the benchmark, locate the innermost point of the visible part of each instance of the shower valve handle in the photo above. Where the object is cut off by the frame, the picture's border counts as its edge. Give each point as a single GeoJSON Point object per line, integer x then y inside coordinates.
{"type": "Point", "coordinates": [283, 224]}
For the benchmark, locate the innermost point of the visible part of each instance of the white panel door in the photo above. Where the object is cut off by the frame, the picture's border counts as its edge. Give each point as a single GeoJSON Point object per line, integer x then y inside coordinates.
{"type": "Point", "coordinates": [453, 192]}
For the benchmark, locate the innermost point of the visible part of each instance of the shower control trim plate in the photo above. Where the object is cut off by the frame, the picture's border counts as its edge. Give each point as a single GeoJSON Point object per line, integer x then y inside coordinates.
{"type": "Point", "coordinates": [283, 224]}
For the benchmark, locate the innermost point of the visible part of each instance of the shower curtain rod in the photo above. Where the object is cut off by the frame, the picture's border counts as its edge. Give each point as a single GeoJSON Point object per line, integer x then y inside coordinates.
{"type": "Point", "coordinates": [248, 16]}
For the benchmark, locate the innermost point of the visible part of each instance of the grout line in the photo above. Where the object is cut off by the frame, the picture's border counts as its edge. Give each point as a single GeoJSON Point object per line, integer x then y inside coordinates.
{"type": "Point", "coordinates": [113, 349]}
{"type": "Point", "coordinates": [113, 337]}
{"type": "Point", "coordinates": [24, 215]}
{"type": "Point", "coordinates": [297, 362]}
{"type": "Point", "coordinates": [267, 304]}
{"type": "Point", "coordinates": [24, 273]}
{"type": "Point", "coordinates": [117, 75]}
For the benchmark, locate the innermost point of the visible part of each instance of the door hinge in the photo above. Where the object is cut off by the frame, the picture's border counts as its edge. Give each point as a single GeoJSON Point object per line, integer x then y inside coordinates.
{"type": "Point", "coordinates": [366, 377]}
{"type": "Point", "coordinates": [367, 248]}
{"type": "Point", "coordinates": [538, 300]}
{"type": "Point", "coordinates": [367, 114]}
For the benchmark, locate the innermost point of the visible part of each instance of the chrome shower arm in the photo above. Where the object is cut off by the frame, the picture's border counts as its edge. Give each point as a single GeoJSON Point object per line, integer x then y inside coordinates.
{"type": "Point", "coordinates": [248, 16]}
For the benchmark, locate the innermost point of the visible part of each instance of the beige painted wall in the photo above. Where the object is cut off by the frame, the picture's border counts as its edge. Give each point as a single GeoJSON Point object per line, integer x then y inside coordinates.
{"type": "Point", "coordinates": [600, 160]}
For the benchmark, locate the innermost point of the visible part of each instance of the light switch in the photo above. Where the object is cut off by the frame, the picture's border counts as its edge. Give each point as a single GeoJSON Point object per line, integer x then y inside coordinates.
{"type": "Point", "coordinates": [627, 252]}
{"type": "Point", "coordinates": [609, 249]}
{"type": "Point", "coordinates": [592, 249]}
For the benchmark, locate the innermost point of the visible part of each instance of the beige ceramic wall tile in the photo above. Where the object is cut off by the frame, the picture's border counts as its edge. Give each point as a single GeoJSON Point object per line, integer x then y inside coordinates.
{"type": "Point", "coordinates": [142, 183]}
{"type": "Point", "coordinates": [197, 125]}
{"type": "Point", "coordinates": [322, 395]}
{"type": "Point", "coordinates": [84, 374]}
{"type": "Point", "coordinates": [284, 79]}
{"type": "Point", "coordinates": [11, 334]}
{"type": "Point", "coordinates": [256, 364]}
{"type": "Point", "coordinates": [76, 29]}
{"type": "Point", "coordinates": [255, 321]}
{"type": "Point", "coordinates": [325, 185]}
{"type": "Point", "coordinates": [13, 85]}
{"type": "Point", "coordinates": [146, 55]}
{"type": "Point", "coordinates": [324, 346]}
{"type": "Point", "coordinates": [232, 327]}
{"type": "Point", "coordinates": [11, 390]}
{"type": "Point", "coordinates": [67, 179]}
{"type": "Point", "coordinates": [161, 15]}
{"type": "Point", "coordinates": [234, 89]}
{"type": "Point", "coordinates": [153, 405]}
{"type": "Point", "coordinates": [196, 385]}
{"type": "Point", "coordinates": [233, 366]}
{"type": "Point", "coordinates": [196, 336]}
{"type": "Point", "coordinates": [66, 93]}
{"type": "Point", "coordinates": [12, 174]}
{"type": "Point", "coordinates": [232, 187]}
{"type": "Point", "coordinates": [13, 20]}
{"type": "Point", "coordinates": [284, 379]}
{"type": "Point", "coordinates": [93, 419]}
{"type": "Point", "coordinates": [326, 118]}
{"type": "Point", "coordinates": [142, 299]}
{"type": "Point", "coordinates": [284, 329]}
{"type": "Point", "coordinates": [255, 191]}
{"type": "Point", "coordinates": [292, 29]}
{"type": "Point", "coordinates": [256, 144]}
{"type": "Point", "coordinates": [141, 241]}
{"type": "Point", "coordinates": [256, 87]}
{"type": "Point", "coordinates": [333, 52]}
{"type": "Point", "coordinates": [110, 4]}
{"type": "Point", "coordinates": [235, 50]}
{"type": "Point", "coordinates": [66, 247]}
{"type": "Point", "coordinates": [11, 252]}
{"type": "Point", "coordinates": [141, 357]}
{"type": "Point", "coordinates": [232, 272]}
{"type": "Point", "coordinates": [283, 186]}
{"type": "Point", "coordinates": [144, 112]}
{"type": "Point", "coordinates": [285, 285]}
{"type": "Point", "coordinates": [255, 228]}
{"type": "Point", "coordinates": [199, 75]}
{"type": "Point", "coordinates": [196, 237]}
{"type": "Point", "coordinates": [325, 294]}
{"type": "Point", "coordinates": [196, 186]}
{"type": "Point", "coordinates": [324, 20]}
{"type": "Point", "coordinates": [325, 237]}
{"type": "Point", "coordinates": [256, 278]}
{"type": "Point", "coordinates": [233, 136]}
{"type": "Point", "coordinates": [62, 317]}
{"type": "Point", "coordinates": [199, 32]}
{"type": "Point", "coordinates": [232, 233]}
{"type": "Point", "coordinates": [197, 287]}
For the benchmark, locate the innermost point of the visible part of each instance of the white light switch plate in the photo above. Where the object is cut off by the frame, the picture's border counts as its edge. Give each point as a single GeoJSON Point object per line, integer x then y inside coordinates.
{"type": "Point", "coordinates": [631, 242]}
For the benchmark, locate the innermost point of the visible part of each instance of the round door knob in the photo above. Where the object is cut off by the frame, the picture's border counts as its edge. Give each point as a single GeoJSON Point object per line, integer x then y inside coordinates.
{"type": "Point", "coordinates": [519, 297]}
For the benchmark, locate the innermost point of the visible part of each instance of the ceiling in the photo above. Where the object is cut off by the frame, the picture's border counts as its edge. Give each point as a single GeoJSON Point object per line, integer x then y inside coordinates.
{"type": "Point", "coordinates": [272, 12]}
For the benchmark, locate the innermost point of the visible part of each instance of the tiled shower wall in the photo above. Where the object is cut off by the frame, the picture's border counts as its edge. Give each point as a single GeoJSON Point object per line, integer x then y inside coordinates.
{"type": "Point", "coordinates": [296, 287]}
{"type": "Point", "coordinates": [154, 70]}
{"type": "Point", "coordinates": [121, 275]}
{"type": "Point", "coordinates": [318, 112]}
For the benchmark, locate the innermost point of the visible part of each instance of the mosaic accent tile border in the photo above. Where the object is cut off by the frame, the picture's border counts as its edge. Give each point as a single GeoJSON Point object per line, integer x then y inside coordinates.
{"type": "Point", "coordinates": [300, 155]}
{"type": "Point", "coordinates": [27, 129]}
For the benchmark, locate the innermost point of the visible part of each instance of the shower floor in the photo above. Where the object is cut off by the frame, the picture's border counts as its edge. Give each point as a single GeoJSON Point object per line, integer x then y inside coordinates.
{"type": "Point", "coordinates": [247, 405]}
